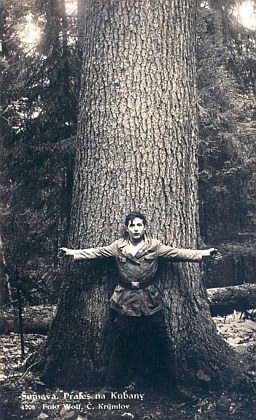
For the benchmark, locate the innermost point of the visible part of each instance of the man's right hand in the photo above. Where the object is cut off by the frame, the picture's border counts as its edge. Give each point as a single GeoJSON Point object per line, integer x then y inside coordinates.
{"type": "Point", "coordinates": [63, 252]}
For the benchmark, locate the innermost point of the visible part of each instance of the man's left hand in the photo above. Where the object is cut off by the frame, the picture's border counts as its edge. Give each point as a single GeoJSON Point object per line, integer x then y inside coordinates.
{"type": "Point", "coordinates": [213, 253]}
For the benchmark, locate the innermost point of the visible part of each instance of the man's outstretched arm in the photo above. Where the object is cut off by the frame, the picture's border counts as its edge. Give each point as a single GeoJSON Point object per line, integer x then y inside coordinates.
{"type": "Point", "coordinates": [182, 254]}
{"type": "Point", "coordinates": [88, 253]}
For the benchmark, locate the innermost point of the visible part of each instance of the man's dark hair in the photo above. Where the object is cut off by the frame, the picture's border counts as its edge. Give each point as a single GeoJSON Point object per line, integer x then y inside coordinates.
{"type": "Point", "coordinates": [131, 216]}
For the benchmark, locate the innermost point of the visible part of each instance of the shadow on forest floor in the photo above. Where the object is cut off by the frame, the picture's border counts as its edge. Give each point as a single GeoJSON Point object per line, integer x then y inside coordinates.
{"type": "Point", "coordinates": [25, 398]}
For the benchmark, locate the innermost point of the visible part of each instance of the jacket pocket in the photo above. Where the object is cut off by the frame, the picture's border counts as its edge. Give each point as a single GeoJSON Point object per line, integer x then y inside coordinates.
{"type": "Point", "coordinates": [147, 263]}
{"type": "Point", "coordinates": [117, 296]}
{"type": "Point", "coordinates": [122, 258]}
{"type": "Point", "coordinates": [155, 297]}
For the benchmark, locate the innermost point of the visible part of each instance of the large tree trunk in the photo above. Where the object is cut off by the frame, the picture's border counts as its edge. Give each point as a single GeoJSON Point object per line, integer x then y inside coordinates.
{"type": "Point", "coordinates": [136, 149]}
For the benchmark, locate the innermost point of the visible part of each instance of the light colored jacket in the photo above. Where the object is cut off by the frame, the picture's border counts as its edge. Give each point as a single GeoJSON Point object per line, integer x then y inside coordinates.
{"type": "Point", "coordinates": [137, 270]}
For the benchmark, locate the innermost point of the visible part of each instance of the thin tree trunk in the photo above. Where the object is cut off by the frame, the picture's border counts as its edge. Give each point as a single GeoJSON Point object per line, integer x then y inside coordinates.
{"type": "Point", "coordinates": [5, 271]}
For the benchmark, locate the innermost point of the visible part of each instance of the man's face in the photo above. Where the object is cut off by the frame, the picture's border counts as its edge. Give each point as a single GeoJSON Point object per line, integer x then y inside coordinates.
{"type": "Point", "coordinates": [136, 229]}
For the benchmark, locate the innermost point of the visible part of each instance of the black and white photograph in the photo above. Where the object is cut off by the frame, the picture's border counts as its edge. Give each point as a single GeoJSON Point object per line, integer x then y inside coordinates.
{"type": "Point", "coordinates": [128, 210]}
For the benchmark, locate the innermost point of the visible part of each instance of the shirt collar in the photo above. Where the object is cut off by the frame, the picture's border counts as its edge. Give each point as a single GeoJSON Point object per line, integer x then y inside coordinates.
{"type": "Point", "coordinates": [124, 246]}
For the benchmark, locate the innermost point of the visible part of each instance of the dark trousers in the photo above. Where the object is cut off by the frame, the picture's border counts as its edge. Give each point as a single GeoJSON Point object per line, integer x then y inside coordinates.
{"type": "Point", "coordinates": [141, 352]}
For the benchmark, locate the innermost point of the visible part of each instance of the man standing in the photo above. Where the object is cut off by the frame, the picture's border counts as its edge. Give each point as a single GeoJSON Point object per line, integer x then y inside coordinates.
{"type": "Point", "coordinates": [138, 303]}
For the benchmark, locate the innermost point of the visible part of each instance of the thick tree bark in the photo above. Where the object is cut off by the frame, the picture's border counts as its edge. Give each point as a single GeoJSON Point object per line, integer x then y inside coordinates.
{"type": "Point", "coordinates": [137, 145]}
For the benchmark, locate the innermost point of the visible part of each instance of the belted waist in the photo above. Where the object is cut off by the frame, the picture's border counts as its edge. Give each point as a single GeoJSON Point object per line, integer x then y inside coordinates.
{"type": "Point", "coordinates": [136, 284]}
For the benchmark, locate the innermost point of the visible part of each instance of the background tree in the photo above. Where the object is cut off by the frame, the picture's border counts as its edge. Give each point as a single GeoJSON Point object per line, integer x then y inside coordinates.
{"type": "Point", "coordinates": [39, 116]}
{"type": "Point", "coordinates": [226, 90]}
{"type": "Point", "coordinates": [136, 148]}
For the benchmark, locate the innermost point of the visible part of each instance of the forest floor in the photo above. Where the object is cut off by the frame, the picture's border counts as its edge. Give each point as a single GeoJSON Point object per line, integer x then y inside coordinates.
{"type": "Point", "coordinates": [25, 398]}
